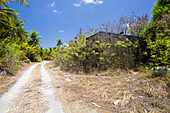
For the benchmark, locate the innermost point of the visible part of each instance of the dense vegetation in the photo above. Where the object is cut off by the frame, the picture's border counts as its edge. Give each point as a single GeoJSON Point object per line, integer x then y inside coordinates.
{"type": "Point", "coordinates": [156, 35]}
{"type": "Point", "coordinates": [16, 44]}
{"type": "Point", "coordinates": [150, 48]}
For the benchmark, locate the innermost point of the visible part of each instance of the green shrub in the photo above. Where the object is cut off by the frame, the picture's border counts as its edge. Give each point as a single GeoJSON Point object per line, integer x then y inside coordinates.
{"type": "Point", "coordinates": [82, 55]}
{"type": "Point", "coordinates": [158, 42]}
{"type": "Point", "coordinates": [10, 55]}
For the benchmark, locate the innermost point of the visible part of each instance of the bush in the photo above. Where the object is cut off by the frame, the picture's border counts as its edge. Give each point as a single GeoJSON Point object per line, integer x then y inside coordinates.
{"type": "Point", "coordinates": [158, 44]}
{"type": "Point", "coordinates": [10, 55]}
{"type": "Point", "coordinates": [82, 55]}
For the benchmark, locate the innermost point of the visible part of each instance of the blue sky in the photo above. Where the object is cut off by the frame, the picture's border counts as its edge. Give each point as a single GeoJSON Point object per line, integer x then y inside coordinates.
{"type": "Point", "coordinates": [62, 18]}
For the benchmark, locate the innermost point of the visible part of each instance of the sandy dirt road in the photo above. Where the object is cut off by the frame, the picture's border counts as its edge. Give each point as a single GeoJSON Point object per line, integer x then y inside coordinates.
{"type": "Point", "coordinates": [32, 93]}
{"type": "Point", "coordinates": [42, 87]}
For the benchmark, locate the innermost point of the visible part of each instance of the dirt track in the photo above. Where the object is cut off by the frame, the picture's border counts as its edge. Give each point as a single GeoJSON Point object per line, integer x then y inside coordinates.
{"type": "Point", "coordinates": [31, 93]}
{"type": "Point", "coordinates": [41, 87]}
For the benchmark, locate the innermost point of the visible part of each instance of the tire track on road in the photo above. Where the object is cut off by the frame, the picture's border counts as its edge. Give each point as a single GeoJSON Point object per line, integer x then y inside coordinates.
{"type": "Point", "coordinates": [32, 93]}
{"type": "Point", "coordinates": [31, 98]}
{"type": "Point", "coordinates": [49, 92]}
{"type": "Point", "coordinates": [13, 92]}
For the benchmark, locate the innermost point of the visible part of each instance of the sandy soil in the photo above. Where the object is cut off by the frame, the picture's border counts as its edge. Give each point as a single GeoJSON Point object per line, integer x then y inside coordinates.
{"type": "Point", "coordinates": [7, 82]}
{"type": "Point", "coordinates": [49, 92]}
{"type": "Point", "coordinates": [111, 93]}
{"type": "Point", "coordinates": [30, 100]}
{"type": "Point", "coordinates": [32, 93]}
{"type": "Point", "coordinates": [14, 91]}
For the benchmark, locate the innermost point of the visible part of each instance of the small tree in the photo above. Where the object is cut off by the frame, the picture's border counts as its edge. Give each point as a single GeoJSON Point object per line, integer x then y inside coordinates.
{"type": "Point", "coordinates": [59, 42]}
{"type": "Point", "coordinates": [124, 24]}
{"type": "Point", "coordinates": [34, 38]}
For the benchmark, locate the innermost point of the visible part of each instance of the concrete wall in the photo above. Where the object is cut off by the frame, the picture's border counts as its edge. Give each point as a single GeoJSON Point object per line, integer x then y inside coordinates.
{"type": "Point", "coordinates": [109, 37]}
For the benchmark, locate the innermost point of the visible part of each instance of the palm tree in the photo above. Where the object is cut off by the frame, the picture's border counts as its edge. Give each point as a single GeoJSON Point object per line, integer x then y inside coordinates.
{"type": "Point", "coordinates": [41, 52]}
{"type": "Point", "coordinates": [59, 42]}
{"type": "Point", "coordinates": [7, 14]}
{"type": "Point", "coordinates": [12, 27]}
{"type": "Point", "coordinates": [20, 1]}
{"type": "Point", "coordinates": [3, 2]}
{"type": "Point", "coordinates": [7, 17]}
{"type": "Point", "coordinates": [34, 39]}
{"type": "Point", "coordinates": [20, 29]}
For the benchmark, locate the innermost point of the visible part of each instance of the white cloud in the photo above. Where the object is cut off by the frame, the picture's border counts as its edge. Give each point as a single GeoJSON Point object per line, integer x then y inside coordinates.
{"type": "Point", "coordinates": [77, 4]}
{"type": "Point", "coordinates": [65, 44]}
{"type": "Point", "coordinates": [52, 4]}
{"type": "Point", "coordinates": [100, 2]}
{"type": "Point", "coordinates": [61, 31]}
{"type": "Point", "coordinates": [88, 2]}
{"type": "Point", "coordinates": [57, 11]}
{"type": "Point", "coordinates": [93, 1]}
{"type": "Point", "coordinates": [126, 25]}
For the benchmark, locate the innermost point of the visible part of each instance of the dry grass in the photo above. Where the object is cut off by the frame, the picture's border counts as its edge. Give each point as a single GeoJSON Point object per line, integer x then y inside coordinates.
{"type": "Point", "coordinates": [136, 92]}
{"type": "Point", "coordinates": [109, 72]}
{"type": "Point", "coordinates": [126, 100]}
